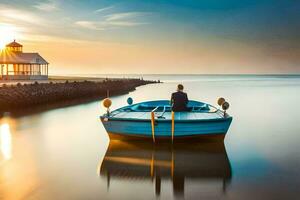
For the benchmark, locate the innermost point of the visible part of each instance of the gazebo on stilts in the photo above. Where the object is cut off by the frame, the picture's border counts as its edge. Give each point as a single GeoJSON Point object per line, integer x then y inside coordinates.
{"type": "Point", "coordinates": [17, 65]}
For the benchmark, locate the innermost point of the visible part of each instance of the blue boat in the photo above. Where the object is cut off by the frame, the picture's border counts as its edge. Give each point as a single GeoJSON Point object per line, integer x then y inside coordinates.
{"type": "Point", "coordinates": [155, 120]}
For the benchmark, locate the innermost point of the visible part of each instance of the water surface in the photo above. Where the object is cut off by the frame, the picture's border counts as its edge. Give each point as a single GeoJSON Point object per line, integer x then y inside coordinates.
{"type": "Point", "coordinates": [65, 153]}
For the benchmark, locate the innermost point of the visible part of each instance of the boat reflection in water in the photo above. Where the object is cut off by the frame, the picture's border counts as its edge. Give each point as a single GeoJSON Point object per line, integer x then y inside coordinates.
{"type": "Point", "coordinates": [199, 163]}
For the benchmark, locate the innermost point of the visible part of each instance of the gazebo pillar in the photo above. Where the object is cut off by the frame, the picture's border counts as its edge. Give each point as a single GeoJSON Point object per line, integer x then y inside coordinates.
{"type": "Point", "coordinates": [14, 68]}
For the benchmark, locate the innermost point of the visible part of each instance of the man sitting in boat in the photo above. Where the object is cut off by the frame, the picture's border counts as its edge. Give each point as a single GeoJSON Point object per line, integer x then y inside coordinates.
{"type": "Point", "coordinates": [179, 100]}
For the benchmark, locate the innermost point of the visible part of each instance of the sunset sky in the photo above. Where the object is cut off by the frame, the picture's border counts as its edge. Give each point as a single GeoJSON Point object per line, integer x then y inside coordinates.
{"type": "Point", "coordinates": [158, 36]}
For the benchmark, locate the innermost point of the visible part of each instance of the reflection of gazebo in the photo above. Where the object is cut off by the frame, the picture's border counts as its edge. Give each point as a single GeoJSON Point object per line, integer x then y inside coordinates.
{"type": "Point", "coordinates": [16, 65]}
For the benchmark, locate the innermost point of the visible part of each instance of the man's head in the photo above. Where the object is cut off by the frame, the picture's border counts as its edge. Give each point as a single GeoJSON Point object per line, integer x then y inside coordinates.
{"type": "Point", "coordinates": [179, 87]}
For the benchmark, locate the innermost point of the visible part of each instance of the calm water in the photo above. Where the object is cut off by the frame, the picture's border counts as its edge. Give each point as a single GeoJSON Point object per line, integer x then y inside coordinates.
{"type": "Point", "coordinates": [65, 153]}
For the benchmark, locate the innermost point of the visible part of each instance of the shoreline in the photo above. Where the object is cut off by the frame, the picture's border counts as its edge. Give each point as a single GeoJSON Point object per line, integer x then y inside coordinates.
{"type": "Point", "coordinates": [35, 96]}
{"type": "Point", "coordinates": [57, 79]}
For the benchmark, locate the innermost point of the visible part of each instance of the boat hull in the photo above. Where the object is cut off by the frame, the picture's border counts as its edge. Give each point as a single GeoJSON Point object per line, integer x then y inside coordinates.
{"type": "Point", "coordinates": [184, 130]}
{"type": "Point", "coordinates": [196, 138]}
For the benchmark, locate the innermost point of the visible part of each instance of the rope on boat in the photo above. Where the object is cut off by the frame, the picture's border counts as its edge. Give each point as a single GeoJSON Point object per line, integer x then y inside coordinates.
{"type": "Point", "coordinates": [153, 122]}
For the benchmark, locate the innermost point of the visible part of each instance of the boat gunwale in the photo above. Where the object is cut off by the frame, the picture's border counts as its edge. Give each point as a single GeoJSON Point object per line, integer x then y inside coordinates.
{"type": "Point", "coordinates": [228, 118]}
{"type": "Point", "coordinates": [111, 116]}
{"type": "Point", "coordinates": [168, 104]}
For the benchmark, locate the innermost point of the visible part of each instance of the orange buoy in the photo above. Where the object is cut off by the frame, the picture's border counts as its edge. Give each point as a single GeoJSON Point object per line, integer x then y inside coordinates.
{"type": "Point", "coordinates": [107, 103]}
{"type": "Point", "coordinates": [221, 100]}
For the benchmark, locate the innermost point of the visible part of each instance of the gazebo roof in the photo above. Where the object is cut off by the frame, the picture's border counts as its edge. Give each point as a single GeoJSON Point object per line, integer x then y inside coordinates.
{"type": "Point", "coordinates": [21, 58]}
{"type": "Point", "coordinates": [14, 44]}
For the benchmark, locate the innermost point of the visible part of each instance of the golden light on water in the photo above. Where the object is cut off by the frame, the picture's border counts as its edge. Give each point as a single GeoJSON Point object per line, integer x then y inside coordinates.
{"type": "Point", "coordinates": [18, 172]}
{"type": "Point", "coordinates": [7, 34]}
{"type": "Point", "coordinates": [5, 141]}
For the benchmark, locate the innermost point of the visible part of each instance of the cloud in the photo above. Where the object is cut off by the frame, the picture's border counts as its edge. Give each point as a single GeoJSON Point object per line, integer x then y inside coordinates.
{"type": "Point", "coordinates": [105, 25]}
{"type": "Point", "coordinates": [126, 23]}
{"type": "Point", "coordinates": [46, 6]}
{"type": "Point", "coordinates": [16, 15]}
{"type": "Point", "coordinates": [103, 9]}
{"type": "Point", "coordinates": [124, 15]}
{"type": "Point", "coordinates": [28, 24]}
{"type": "Point", "coordinates": [115, 20]}
{"type": "Point", "coordinates": [89, 25]}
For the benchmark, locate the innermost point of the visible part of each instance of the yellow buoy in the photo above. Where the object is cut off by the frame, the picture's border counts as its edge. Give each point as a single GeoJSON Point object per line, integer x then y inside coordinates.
{"type": "Point", "coordinates": [106, 103]}
{"type": "Point", "coordinates": [221, 100]}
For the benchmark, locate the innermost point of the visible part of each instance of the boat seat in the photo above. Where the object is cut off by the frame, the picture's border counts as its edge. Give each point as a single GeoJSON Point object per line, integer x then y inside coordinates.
{"type": "Point", "coordinates": [147, 108]}
{"type": "Point", "coordinates": [204, 107]}
{"type": "Point", "coordinates": [129, 109]}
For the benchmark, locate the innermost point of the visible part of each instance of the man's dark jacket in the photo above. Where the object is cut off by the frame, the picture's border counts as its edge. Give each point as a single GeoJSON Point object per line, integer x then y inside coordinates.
{"type": "Point", "coordinates": [179, 101]}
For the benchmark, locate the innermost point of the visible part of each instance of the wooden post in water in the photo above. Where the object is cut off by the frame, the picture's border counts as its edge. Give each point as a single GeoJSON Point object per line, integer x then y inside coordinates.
{"type": "Point", "coordinates": [153, 125]}
{"type": "Point", "coordinates": [173, 125]}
